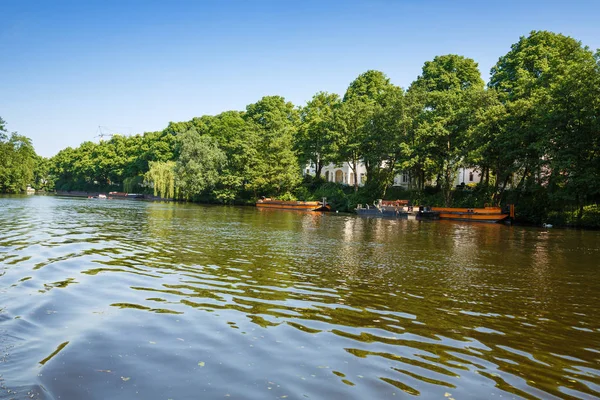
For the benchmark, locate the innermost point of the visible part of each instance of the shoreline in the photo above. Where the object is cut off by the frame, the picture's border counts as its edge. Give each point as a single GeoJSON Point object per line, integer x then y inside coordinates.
{"type": "Point", "coordinates": [147, 197]}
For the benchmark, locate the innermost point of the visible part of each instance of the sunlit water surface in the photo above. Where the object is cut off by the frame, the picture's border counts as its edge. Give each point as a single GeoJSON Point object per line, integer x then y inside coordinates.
{"type": "Point", "coordinates": [125, 300]}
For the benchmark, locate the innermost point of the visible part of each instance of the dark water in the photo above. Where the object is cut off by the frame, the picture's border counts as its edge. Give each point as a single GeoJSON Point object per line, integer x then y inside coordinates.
{"type": "Point", "coordinates": [125, 300]}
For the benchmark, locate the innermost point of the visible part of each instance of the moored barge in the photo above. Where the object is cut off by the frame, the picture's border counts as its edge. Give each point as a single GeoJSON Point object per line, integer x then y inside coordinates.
{"type": "Point", "coordinates": [293, 205]}
{"type": "Point", "coordinates": [485, 214]}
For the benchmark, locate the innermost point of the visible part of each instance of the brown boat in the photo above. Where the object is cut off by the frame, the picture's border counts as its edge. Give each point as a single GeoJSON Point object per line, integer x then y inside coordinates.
{"type": "Point", "coordinates": [293, 205]}
{"type": "Point", "coordinates": [485, 214]}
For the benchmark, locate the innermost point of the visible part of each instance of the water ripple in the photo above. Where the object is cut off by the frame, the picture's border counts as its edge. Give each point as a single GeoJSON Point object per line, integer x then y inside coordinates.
{"type": "Point", "coordinates": [122, 299]}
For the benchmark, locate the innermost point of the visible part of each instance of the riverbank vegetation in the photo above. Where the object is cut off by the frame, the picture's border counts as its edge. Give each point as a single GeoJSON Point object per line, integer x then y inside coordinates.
{"type": "Point", "coordinates": [19, 164]}
{"type": "Point", "coordinates": [533, 131]}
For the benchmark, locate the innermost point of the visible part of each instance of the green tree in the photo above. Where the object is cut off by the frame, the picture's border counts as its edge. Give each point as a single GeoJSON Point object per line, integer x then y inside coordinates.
{"type": "Point", "coordinates": [491, 148]}
{"type": "Point", "coordinates": [277, 169]}
{"type": "Point", "coordinates": [368, 86]}
{"type": "Point", "coordinates": [41, 174]}
{"type": "Point", "coordinates": [199, 163]}
{"type": "Point", "coordinates": [387, 145]}
{"type": "Point", "coordinates": [315, 140]}
{"type": "Point", "coordinates": [17, 162]}
{"type": "Point", "coordinates": [572, 121]}
{"type": "Point", "coordinates": [161, 176]}
{"type": "Point", "coordinates": [239, 138]}
{"type": "Point", "coordinates": [452, 87]}
{"type": "Point", "coordinates": [350, 124]}
{"type": "Point", "coordinates": [353, 117]}
{"type": "Point", "coordinates": [548, 83]}
{"type": "Point", "coordinates": [449, 72]}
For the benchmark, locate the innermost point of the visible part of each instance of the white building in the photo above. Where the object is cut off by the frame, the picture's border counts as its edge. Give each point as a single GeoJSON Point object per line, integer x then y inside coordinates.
{"type": "Point", "coordinates": [344, 174]}
{"type": "Point", "coordinates": [467, 176]}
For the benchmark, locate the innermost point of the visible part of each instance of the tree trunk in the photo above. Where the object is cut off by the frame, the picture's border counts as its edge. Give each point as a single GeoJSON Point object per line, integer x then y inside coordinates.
{"type": "Point", "coordinates": [438, 181]}
{"type": "Point", "coordinates": [354, 163]}
{"type": "Point", "coordinates": [518, 188]}
{"type": "Point", "coordinates": [499, 198]}
{"type": "Point", "coordinates": [447, 186]}
{"type": "Point", "coordinates": [318, 170]}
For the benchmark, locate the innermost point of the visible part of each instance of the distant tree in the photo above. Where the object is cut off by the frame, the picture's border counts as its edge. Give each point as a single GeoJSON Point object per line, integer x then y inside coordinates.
{"type": "Point", "coordinates": [368, 86]}
{"type": "Point", "coordinates": [41, 173]}
{"type": "Point", "coordinates": [354, 115]}
{"type": "Point", "coordinates": [451, 87]}
{"type": "Point", "coordinates": [449, 72]}
{"type": "Point", "coordinates": [199, 163]}
{"type": "Point", "coordinates": [387, 145]}
{"type": "Point", "coordinates": [315, 140]}
{"type": "Point", "coordinates": [17, 161]}
{"type": "Point", "coordinates": [239, 138]}
{"type": "Point", "coordinates": [549, 84]}
{"type": "Point", "coordinates": [277, 169]}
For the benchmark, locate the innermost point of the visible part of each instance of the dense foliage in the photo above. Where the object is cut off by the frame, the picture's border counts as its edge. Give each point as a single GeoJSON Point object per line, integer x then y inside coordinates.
{"type": "Point", "coordinates": [533, 132]}
{"type": "Point", "coordinates": [18, 161]}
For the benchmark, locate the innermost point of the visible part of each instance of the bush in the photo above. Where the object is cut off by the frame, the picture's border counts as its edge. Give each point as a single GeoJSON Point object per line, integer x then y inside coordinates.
{"type": "Point", "coordinates": [336, 194]}
{"type": "Point", "coordinates": [558, 218]}
{"type": "Point", "coordinates": [590, 217]}
{"type": "Point", "coordinates": [302, 193]}
{"type": "Point", "coordinates": [287, 196]}
{"type": "Point", "coordinates": [531, 206]}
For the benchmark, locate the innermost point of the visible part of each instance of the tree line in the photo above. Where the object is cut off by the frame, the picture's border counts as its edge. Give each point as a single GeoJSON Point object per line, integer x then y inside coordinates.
{"type": "Point", "coordinates": [19, 164]}
{"type": "Point", "coordinates": [533, 131]}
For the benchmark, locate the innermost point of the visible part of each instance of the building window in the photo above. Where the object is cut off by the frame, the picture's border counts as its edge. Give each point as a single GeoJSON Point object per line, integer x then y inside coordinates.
{"type": "Point", "coordinates": [471, 176]}
{"type": "Point", "coordinates": [351, 182]}
{"type": "Point", "coordinates": [327, 176]}
{"type": "Point", "coordinates": [404, 177]}
{"type": "Point", "coordinates": [307, 171]}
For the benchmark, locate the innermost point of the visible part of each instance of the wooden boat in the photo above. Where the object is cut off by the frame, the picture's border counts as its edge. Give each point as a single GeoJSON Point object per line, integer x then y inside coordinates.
{"type": "Point", "coordinates": [293, 205]}
{"type": "Point", "coordinates": [485, 214]}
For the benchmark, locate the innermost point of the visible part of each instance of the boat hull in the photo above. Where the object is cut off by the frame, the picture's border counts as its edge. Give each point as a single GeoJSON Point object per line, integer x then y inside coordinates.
{"type": "Point", "coordinates": [292, 205]}
{"type": "Point", "coordinates": [381, 213]}
{"type": "Point", "coordinates": [486, 214]}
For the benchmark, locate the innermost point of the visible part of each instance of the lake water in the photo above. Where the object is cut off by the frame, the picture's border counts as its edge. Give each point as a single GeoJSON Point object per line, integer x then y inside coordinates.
{"type": "Point", "coordinates": [120, 299]}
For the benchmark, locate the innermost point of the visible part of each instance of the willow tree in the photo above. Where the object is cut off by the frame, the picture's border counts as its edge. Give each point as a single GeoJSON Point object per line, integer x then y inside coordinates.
{"type": "Point", "coordinates": [162, 177]}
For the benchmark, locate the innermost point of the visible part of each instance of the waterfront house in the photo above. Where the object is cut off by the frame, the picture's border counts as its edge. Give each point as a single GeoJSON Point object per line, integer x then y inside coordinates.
{"type": "Point", "coordinates": [343, 173]}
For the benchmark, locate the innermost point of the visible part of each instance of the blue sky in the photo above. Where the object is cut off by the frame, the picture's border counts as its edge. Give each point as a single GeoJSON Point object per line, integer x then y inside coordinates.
{"type": "Point", "coordinates": [132, 66]}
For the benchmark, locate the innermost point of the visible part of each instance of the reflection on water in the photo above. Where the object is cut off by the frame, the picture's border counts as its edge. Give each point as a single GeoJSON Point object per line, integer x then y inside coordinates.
{"type": "Point", "coordinates": [123, 299]}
